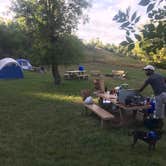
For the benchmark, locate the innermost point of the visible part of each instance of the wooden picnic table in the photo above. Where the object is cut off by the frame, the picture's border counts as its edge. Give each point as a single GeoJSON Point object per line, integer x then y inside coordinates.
{"type": "Point", "coordinates": [75, 71]}
{"type": "Point", "coordinates": [111, 97]}
{"type": "Point", "coordinates": [121, 108]}
{"type": "Point", "coordinates": [75, 74]}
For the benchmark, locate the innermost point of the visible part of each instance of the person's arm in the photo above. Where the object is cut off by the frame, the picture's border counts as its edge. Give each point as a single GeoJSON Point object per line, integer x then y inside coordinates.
{"type": "Point", "coordinates": [143, 86]}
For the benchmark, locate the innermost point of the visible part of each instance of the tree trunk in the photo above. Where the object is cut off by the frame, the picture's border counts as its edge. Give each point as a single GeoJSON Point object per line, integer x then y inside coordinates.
{"type": "Point", "coordinates": [56, 75]}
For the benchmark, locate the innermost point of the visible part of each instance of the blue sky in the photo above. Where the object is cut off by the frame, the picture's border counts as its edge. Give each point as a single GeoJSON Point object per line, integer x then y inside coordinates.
{"type": "Point", "coordinates": [100, 23]}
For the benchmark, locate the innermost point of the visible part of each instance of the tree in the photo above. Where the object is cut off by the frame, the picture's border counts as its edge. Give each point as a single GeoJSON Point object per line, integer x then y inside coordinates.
{"type": "Point", "coordinates": [152, 36]}
{"type": "Point", "coordinates": [50, 22]}
{"type": "Point", "coordinates": [12, 41]}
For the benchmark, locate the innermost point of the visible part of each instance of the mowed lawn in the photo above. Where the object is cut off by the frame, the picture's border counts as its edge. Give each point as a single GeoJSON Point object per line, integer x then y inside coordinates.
{"type": "Point", "coordinates": [42, 125]}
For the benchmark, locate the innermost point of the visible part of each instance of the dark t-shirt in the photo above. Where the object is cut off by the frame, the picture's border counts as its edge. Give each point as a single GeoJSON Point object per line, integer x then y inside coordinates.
{"type": "Point", "coordinates": [157, 83]}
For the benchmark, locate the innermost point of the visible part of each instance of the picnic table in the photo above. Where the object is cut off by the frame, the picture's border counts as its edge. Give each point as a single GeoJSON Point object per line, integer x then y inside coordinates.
{"type": "Point", "coordinates": [75, 74]}
{"type": "Point", "coordinates": [123, 109]}
{"type": "Point", "coordinates": [117, 74]}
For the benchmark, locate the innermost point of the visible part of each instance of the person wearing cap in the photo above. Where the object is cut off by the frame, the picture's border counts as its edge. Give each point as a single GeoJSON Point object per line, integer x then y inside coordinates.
{"type": "Point", "coordinates": [158, 84]}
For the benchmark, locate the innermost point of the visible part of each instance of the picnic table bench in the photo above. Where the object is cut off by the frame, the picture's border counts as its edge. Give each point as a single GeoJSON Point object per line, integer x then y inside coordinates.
{"type": "Point", "coordinates": [95, 73]}
{"type": "Point", "coordinates": [36, 69]}
{"type": "Point", "coordinates": [82, 77]}
{"type": "Point", "coordinates": [103, 114]}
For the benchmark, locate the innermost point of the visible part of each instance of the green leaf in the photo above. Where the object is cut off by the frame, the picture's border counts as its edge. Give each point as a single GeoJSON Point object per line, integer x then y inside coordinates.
{"type": "Point", "coordinates": [150, 15]}
{"type": "Point", "coordinates": [137, 19]}
{"type": "Point", "coordinates": [127, 33]}
{"type": "Point", "coordinates": [121, 16]}
{"type": "Point", "coordinates": [131, 46]}
{"type": "Point", "coordinates": [160, 28]}
{"type": "Point", "coordinates": [125, 24]}
{"type": "Point", "coordinates": [138, 37]}
{"type": "Point", "coordinates": [130, 28]}
{"type": "Point", "coordinates": [140, 44]}
{"type": "Point", "coordinates": [128, 11]}
{"type": "Point", "coordinates": [129, 39]}
{"type": "Point", "coordinates": [160, 1]}
{"type": "Point", "coordinates": [150, 7]}
{"type": "Point", "coordinates": [151, 27]}
{"type": "Point", "coordinates": [134, 16]}
{"type": "Point", "coordinates": [124, 43]}
{"type": "Point", "coordinates": [115, 17]}
{"type": "Point", "coordinates": [144, 2]}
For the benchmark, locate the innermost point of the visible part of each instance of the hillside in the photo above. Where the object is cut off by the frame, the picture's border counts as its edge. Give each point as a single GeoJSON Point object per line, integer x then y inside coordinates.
{"type": "Point", "coordinates": [99, 55]}
{"type": "Point", "coordinates": [103, 61]}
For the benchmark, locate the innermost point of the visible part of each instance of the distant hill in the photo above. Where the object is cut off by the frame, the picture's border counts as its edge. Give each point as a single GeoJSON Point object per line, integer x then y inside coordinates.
{"type": "Point", "coordinates": [102, 56]}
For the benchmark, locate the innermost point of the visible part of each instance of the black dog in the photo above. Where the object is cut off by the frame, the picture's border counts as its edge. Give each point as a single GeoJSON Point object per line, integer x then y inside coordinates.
{"type": "Point", "coordinates": [153, 124]}
{"type": "Point", "coordinates": [150, 137]}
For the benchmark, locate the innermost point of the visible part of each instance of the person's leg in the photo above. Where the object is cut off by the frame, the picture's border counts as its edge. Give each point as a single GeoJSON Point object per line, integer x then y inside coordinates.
{"type": "Point", "coordinates": [158, 107]}
{"type": "Point", "coordinates": [163, 100]}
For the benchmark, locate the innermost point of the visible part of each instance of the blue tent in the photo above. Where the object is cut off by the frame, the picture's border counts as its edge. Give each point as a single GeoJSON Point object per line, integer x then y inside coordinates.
{"type": "Point", "coordinates": [25, 64]}
{"type": "Point", "coordinates": [9, 69]}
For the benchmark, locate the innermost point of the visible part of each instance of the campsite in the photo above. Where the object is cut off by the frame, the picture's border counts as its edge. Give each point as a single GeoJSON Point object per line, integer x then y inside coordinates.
{"type": "Point", "coordinates": [42, 124]}
{"type": "Point", "coordinates": [82, 83]}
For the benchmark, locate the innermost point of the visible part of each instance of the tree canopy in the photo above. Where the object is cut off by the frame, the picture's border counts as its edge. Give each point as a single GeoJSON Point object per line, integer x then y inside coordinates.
{"type": "Point", "coordinates": [50, 23]}
{"type": "Point", "coordinates": [151, 38]}
{"type": "Point", "coordinates": [12, 40]}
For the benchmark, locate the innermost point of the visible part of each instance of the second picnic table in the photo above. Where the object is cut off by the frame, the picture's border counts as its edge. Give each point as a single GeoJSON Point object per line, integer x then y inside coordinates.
{"type": "Point", "coordinates": [75, 74]}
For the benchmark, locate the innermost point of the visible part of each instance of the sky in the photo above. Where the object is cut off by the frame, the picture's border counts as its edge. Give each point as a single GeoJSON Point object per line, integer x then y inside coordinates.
{"type": "Point", "coordinates": [100, 23]}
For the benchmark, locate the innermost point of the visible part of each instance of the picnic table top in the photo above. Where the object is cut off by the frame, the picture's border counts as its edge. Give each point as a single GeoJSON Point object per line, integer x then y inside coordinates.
{"type": "Point", "coordinates": [75, 71]}
{"type": "Point", "coordinates": [113, 99]}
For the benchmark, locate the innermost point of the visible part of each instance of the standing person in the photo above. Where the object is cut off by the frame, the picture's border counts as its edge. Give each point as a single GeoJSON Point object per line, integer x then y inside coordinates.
{"type": "Point", "coordinates": [42, 70]}
{"type": "Point", "coordinates": [158, 84]}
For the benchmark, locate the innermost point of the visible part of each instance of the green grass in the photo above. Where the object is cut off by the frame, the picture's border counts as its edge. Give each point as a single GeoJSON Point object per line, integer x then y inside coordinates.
{"type": "Point", "coordinates": [42, 125]}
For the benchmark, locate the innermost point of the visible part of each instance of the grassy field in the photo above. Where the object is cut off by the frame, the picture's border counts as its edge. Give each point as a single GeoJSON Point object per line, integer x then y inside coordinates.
{"type": "Point", "coordinates": [42, 125]}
